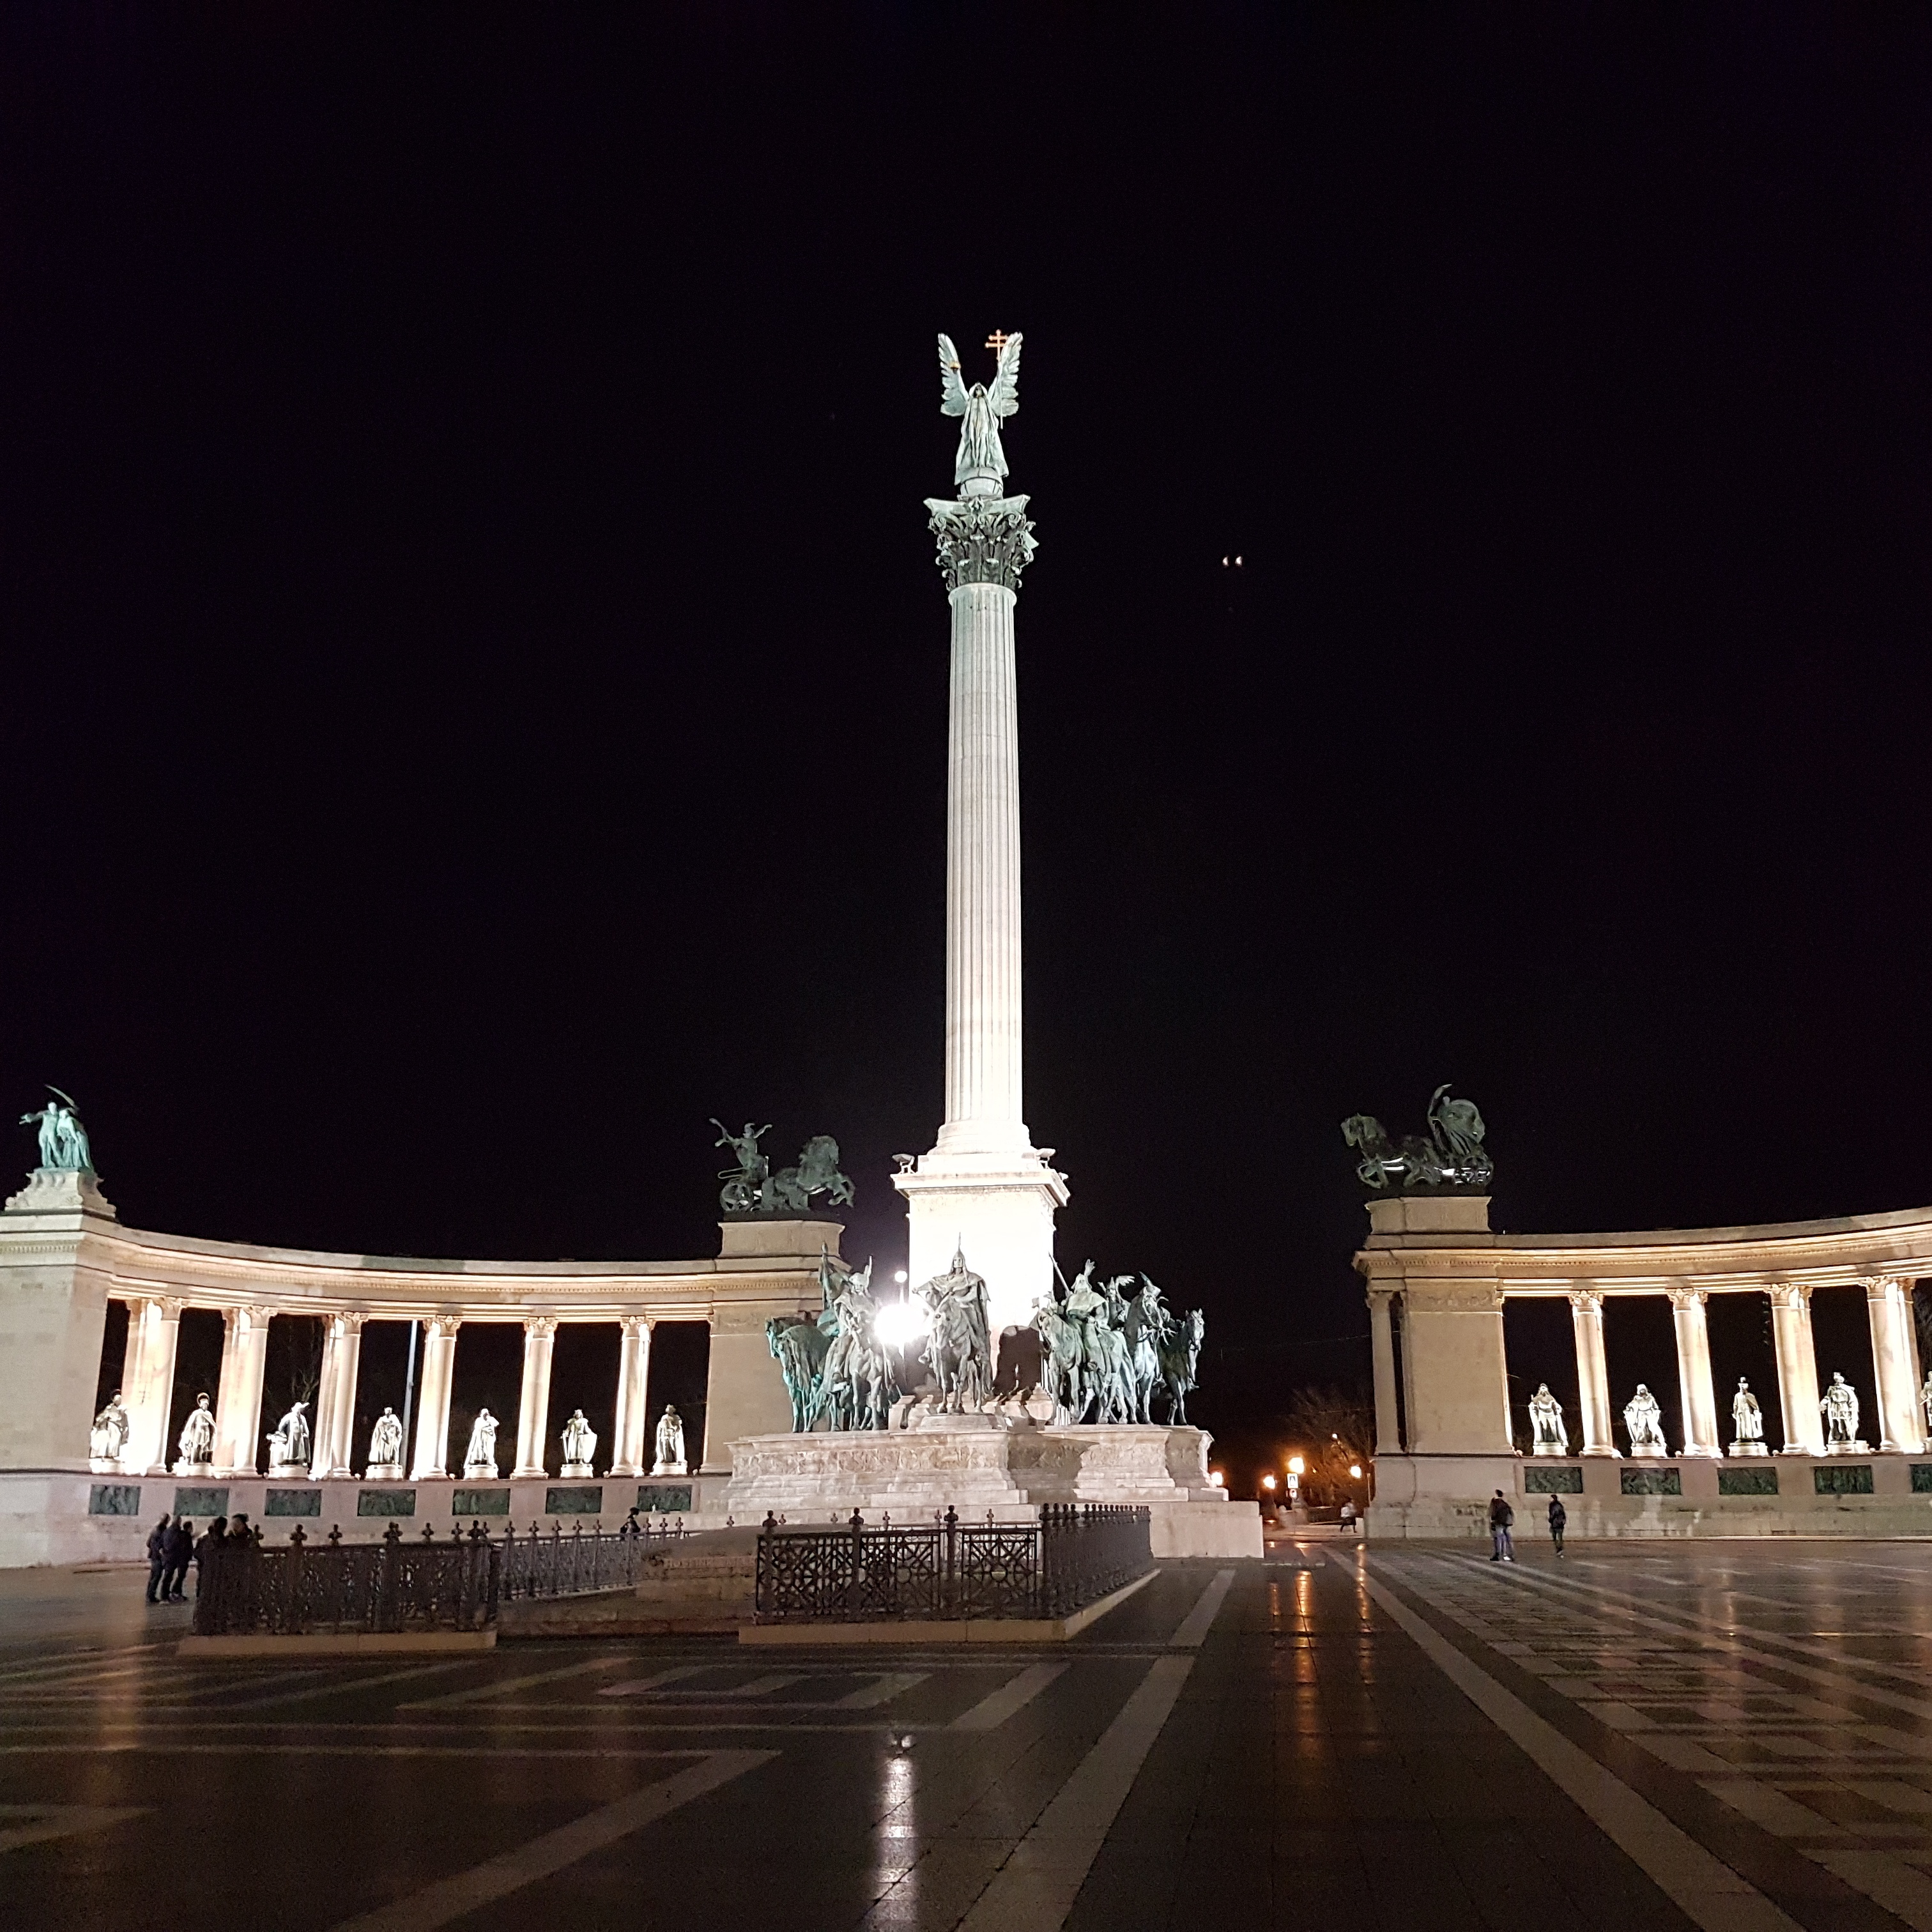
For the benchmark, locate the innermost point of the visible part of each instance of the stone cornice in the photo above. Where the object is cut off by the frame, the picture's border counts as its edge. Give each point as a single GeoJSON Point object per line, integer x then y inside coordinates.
{"type": "Point", "coordinates": [142, 1266]}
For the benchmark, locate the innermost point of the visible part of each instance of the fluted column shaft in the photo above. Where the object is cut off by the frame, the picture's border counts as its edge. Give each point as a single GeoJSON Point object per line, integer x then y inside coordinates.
{"type": "Point", "coordinates": [1593, 1374]}
{"type": "Point", "coordinates": [438, 1366]}
{"type": "Point", "coordinates": [334, 1441]}
{"type": "Point", "coordinates": [1888, 1307]}
{"type": "Point", "coordinates": [160, 1330]}
{"type": "Point", "coordinates": [1797, 1370]}
{"type": "Point", "coordinates": [984, 1109]}
{"type": "Point", "coordinates": [1382, 1346]}
{"type": "Point", "coordinates": [238, 1413]}
{"type": "Point", "coordinates": [533, 1406]}
{"type": "Point", "coordinates": [1699, 1399]}
{"type": "Point", "coordinates": [634, 1365]}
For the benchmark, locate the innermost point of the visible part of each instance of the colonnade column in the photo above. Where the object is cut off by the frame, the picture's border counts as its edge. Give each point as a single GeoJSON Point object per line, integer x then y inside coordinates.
{"type": "Point", "coordinates": [533, 1407]}
{"type": "Point", "coordinates": [634, 1363]}
{"type": "Point", "coordinates": [1694, 1372]}
{"type": "Point", "coordinates": [1593, 1375]}
{"type": "Point", "coordinates": [1382, 1347]}
{"type": "Point", "coordinates": [238, 1416]}
{"type": "Point", "coordinates": [1797, 1369]}
{"type": "Point", "coordinates": [321, 1416]}
{"type": "Point", "coordinates": [160, 1330]}
{"type": "Point", "coordinates": [332, 1452]}
{"type": "Point", "coordinates": [439, 1365]}
{"type": "Point", "coordinates": [1888, 1306]}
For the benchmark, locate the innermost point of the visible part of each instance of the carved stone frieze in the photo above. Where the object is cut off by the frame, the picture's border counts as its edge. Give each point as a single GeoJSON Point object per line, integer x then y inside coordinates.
{"type": "Point", "coordinates": [1423, 1297]}
{"type": "Point", "coordinates": [981, 539]}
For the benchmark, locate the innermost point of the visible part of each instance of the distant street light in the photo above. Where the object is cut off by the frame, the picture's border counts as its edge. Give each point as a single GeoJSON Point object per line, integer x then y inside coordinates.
{"type": "Point", "coordinates": [1355, 1470]}
{"type": "Point", "coordinates": [1215, 1480]}
{"type": "Point", "coordinates": [1267, 1482]}
{"type": "Point", "coordinates": [1296, 1466]}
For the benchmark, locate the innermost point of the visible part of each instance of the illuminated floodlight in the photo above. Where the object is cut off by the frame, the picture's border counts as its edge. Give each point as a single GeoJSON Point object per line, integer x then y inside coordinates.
{"type": "Point", "coordinates": [1355, 1470]}
{"type": "Point", "coordinates": [1296, 1466]}
{"type": "Point", "coordinates": [1215, 1480]}
{"type": "Point", "coordinates": [900, 1324]}
{"type": "Point", "coordinates": [899, 1275]}
{"type": "Point", "coordinates": [1267, 1482]}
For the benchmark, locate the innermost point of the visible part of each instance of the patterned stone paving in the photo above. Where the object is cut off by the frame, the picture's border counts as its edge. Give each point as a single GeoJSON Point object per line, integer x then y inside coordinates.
{"type": "Point", "coordinates": [1796, 1687]}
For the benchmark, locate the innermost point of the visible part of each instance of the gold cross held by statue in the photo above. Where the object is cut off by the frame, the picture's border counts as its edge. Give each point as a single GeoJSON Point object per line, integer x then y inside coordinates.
{"type": "Point", "coordinates": [998, 340]}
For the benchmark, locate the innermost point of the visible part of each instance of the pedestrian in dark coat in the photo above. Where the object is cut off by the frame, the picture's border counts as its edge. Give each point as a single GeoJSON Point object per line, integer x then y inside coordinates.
{"type": "Point", "coordinates": [157, 1557]}
{"type": "Point", "coordinates": [217, 1530]}
{"type": "Point", "coordinates": [1558, 1517]}
{"type": "Point", "coordinates": [1501, 1516]}
{"type": "Point", "coordinates": [180, 1554]}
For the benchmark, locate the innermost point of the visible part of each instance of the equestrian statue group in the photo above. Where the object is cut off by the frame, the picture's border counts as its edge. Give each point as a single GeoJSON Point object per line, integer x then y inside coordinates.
{"type": "Point", "coordinates": [1110, 1353]}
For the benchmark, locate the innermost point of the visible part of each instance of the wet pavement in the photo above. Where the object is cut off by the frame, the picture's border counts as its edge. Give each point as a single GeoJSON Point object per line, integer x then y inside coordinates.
{"type": "Point", "coordinates": [1734, 1736]}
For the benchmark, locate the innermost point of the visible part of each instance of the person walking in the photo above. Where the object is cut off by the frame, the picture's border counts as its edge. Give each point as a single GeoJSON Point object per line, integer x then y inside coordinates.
{"type": "Point", "coordinates": [1558, 1517]}
{"type": "Point", "coordinates": [1502, 1550]}
{"type": "Point", "coordinates": [180, 1554]}
{"type": "Point", "coordinates": [157, 1557]}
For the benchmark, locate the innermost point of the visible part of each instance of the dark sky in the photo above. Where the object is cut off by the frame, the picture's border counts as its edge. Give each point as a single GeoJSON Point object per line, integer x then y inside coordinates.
{"type": "Point", "coordinates": [477, 674]}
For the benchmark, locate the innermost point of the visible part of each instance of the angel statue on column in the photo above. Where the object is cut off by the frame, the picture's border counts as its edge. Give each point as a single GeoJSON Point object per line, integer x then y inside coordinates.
{"type": "Point", "coordinates": [980, 467]}
{"type": "Point", "coordinates": [1548, 1436]}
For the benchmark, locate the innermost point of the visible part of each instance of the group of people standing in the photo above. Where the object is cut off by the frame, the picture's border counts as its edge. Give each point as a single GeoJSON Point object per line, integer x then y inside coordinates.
{"type": "Point", "coordinates": [172, 1545]}
{"type": "Point", "coordinates": [1502, 1519]}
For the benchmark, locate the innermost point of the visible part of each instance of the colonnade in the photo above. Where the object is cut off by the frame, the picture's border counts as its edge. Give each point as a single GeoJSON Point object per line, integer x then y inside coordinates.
{"type": "Point", "coordinates": [148, 1385]}
{"type": "Point", "coordinates": [1901, 1421]}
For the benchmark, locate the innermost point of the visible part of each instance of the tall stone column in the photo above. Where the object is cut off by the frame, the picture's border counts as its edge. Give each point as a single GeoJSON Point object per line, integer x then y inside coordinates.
{"type": "Point", "coordinates": [1593, 1374]}
{"type": "Point", "coordinates": [633, 1366]}
{"type": "Point", "coordinates": [160, 1330]}
{"type": "Point", "coordinates": [438, 1367]}
{"type": "Point", "coordinates": [1382, 1347]}
{"type": "Point", "coordinates": [333, 1450]}
{"type": "Point", "coordinates": [1888, 1307]}
{"type": "Point", "coordinates": [321, 1416]}
{"type": "Point", "coordinates": [1797, 1369]}
{"type": "Point", "coordinates": [1694, 1372]}
{"type": "Point", "coordinates": [985, 1190]}
{"type": "Point", "coordinates": [533, 1407]}
{"type": "Point", "coordinates": [238, 1420]}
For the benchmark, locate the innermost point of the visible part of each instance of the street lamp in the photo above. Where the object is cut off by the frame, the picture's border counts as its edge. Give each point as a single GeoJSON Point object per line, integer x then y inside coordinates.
{"type": "Point", "coordinates": [1355, 1470]}
{"type": "Point", "coordinates": [1267, 1482]}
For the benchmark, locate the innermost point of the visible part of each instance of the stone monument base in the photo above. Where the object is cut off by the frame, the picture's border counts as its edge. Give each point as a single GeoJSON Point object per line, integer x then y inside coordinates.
{"type": "Point", "coordinates": [1749, 1449]}
{"type": "Point", "coordinates": [193, 1472]}
{"type": "Point", "coordinates": [383, 1472]}
{"type": "Point", "coordinates": [670, 1468]}
{"type": "Point", "coordinates": [1005, 1465]}
{"type": "Point", "coordinates": [479, 1472]}
{"type": "Point", "coordinates": [1857, 1448]}
{"type": "Point", "coordinates": [577, 1469]}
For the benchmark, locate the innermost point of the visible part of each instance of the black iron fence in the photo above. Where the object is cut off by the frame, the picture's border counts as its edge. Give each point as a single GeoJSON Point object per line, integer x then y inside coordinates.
{"type": "Point", "coordinates": [557, 1565]}
{"type": "Point", "coordinates": [947, 1569]}
{"type": "Point", "coordinates": [248, 1588]}
{"type": "Point", "coordinates": [300, 1588]}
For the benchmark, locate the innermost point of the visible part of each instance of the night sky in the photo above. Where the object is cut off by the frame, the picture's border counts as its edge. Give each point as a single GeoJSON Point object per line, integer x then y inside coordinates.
{"type": "Point", "coordinates": [475, 702]}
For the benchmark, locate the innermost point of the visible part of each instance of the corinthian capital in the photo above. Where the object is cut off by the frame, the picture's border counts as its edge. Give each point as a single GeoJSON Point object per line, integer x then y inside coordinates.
{"type": "Point", "coordinates": [981, 539]}
{"type": "Point", "coordinates": [537, 1325]}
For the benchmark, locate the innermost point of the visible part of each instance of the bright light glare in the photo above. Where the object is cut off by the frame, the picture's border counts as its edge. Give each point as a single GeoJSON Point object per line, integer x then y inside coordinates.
{"type": "Point", "coordinates": [900, 1323]}
{"type": "Point", "coordinates": [1355, 1470]}
{"type": "Point", "coordinates": [1215, 1480]}
{"type": "Point", "coordinates": [899, 1275]}
{"type": "Point", "coordinates": [1296, 1466]}
{"type": "Point", "coordinates": [1267, 1482]}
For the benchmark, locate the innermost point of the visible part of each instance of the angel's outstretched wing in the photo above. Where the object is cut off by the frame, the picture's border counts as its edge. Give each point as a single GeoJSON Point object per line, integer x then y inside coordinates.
{"type": "Point", "coordinates": [1004, 395]}
{"type": "Point", "coordinates": [952, 390]}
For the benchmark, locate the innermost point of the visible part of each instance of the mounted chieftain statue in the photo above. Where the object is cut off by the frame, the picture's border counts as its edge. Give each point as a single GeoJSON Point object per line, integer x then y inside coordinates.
{"type": "Point", "coordinates": [1109, 1355]}
{"type": "Point", "coordinates": [1452, 1157]}
{"type": "Point", "coordinates": [959, 1344]}
{"type": "Point", "coordinates": [752, 1188]}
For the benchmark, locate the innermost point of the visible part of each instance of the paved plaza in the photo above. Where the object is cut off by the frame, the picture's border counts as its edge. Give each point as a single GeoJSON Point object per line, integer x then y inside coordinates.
{"type": "Point", "coordinates": [1732, 1736]}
